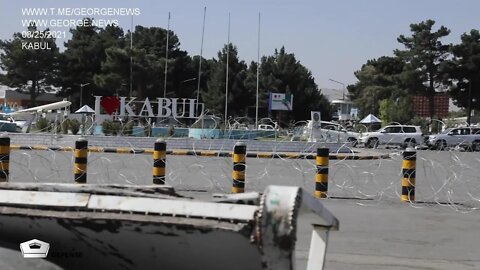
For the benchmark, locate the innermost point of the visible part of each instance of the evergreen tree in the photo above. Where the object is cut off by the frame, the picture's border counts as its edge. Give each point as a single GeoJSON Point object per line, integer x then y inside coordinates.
{"type": "Point", "coordinates": [282, 73]}
{"type": "Point", "coordinates": [423, 55]}
{"type": "Point", "coordinates": [380, 79]}
{"type": "Point", "coordinates": [238, 97]}
{"type": "Point", "coordinates": [462, 73]}
{"type": "Point", "coordinates": [83, 57]}
{"type": "Point", "coordinates": [27, 69]}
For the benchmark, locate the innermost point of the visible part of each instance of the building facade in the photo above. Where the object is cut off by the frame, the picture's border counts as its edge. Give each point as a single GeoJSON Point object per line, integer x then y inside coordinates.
{"type": "Point", "coordinates": [421, 105]}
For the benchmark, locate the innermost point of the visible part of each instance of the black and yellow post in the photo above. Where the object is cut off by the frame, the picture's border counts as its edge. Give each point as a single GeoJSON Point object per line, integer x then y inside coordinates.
{"type": "Point", "coordinates": [238, 174]}
{"type": "Point", "coordinates": [321, 177]}
{"type": "Point", "coordinates": [408, 175]}
{"type": "Point", "coordinates": [4, 158]}
{"type": "Point", "coordinates": [80, 167]}
{"type": "Point", "coordinates": [159, 158]}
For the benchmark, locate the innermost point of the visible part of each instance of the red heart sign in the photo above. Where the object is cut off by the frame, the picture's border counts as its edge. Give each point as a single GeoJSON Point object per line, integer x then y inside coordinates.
{"type": "Point", "coordinates": [110, 104]}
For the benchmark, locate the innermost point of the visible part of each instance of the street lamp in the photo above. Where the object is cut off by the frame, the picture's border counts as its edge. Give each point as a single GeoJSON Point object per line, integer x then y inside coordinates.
{"type": "Point", "coordinates": [81, 92]}
{"type": "Point", "coordinates": [343, 93]}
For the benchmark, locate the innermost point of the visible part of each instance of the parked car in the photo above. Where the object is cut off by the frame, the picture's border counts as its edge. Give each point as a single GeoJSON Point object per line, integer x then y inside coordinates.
{"type": "Point", "coordinates": [329, 132]}
{"type": "Point", "coordinates": [466, 137]}
{"type": "Point", "coordinates": [400, 135]}
{"type": "Point", "coordinates": [266, 127]}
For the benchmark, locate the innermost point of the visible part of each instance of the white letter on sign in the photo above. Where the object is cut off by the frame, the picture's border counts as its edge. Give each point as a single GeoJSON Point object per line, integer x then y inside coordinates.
{"type": "Point", "coordinates": [124, 106]}
{"type": "Point", "coordinates": [163, 106]}
{"type": "Point", "coordinates": [148, 107]}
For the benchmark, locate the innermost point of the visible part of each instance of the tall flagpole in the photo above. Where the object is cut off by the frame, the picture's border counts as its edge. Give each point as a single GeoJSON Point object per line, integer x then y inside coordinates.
{"type": "Point", "coordinates": [131, 57]}
{"type": "Point", "coordinates": [200, 60]}
{"type": "Point", "coordinates": [226, 76]}
{"type": "Point", "coordinates": [166, 58]}
{"type": "Point", "coordinates": [258, 72]}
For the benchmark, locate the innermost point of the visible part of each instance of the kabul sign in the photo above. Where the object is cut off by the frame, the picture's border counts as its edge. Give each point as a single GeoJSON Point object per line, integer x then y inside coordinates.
{"type": "Point", "coordinates": [161, 107]}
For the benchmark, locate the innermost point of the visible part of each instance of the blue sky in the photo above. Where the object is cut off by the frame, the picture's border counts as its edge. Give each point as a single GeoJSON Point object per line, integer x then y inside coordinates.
{"type": "Point", "coordinates": [331, 38]}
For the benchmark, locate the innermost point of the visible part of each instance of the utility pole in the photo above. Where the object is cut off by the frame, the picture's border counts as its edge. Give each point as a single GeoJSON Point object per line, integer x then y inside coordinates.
{"type": "Point", "coordinates": [469, 109]}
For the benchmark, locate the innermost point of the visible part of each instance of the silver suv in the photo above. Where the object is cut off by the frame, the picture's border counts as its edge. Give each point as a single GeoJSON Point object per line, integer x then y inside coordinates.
{"type": "Point", "coordinates": [401, 135]}
{"type": "Point", "coordinates": [466, 137]}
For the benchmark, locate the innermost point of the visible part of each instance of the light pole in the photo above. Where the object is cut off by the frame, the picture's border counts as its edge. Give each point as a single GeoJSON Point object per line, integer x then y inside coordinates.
{"type": "Point", "coordinates": [188, 80]}
{"type": "Point", "coordinates": [81, 92]}
{"type": "Point", "coordinates": [469, 109]}
{"type": "Point", "coordinates": [200, 58]}
{"type": "Point", "coordinates": [343, 91]}
{"type": "Point", "coordinates": [166, 59]}
{"type": "Point", "coordinates": [226, 76]}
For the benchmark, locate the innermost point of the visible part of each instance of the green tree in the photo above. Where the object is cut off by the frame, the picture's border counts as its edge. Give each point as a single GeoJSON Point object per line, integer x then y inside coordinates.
{"type": "Point", "coordinates": [381, 79]}
{"type": "Point", "coordinates": [31, 70]}
{"type": "Point", "coordinates": [251, 87]}
{"type": "Point", "coordinates": [148, 65]}
{"type": "Point", "coordinates": [462, 73]}
{"type": "Point", "coordinates": [238, 97]}
{"type": "Point", "coordinates": [115, 71]}
{"type": "Point", "coordinates": [423, 56]}
{"type": "Point", "coordinates": [83, 57]}
{"type": "Point", "coordinates": [283, 73]}
{"type": "Point", "coordinates": [399, 110]}
{"type": "Point", "coordinates": [205, 74]}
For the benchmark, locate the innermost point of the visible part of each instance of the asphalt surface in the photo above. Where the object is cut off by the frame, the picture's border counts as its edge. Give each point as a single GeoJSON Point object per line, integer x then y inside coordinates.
{"type": "Point", "coordinates": [377, 231]}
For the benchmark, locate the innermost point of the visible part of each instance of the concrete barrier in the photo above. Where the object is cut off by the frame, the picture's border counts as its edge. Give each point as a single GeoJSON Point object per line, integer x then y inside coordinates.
{"type": "Point", "coordinates": [143, 227]}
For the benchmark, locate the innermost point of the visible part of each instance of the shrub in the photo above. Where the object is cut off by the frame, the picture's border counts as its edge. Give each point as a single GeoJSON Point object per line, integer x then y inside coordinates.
{"type": "Point", "coordinates": [116, 127]}
{"type": "Point", "coordinates": [58, 125]}
{"type": "Point", "coordinates": [147, 130]}
{"type": "Point", "coordinates": [170, 131]}
{"type": "Point", "coordinates": [107, 127]}
{"type": "Point", "coordinates": [74, 126]}
{"type": "Point", "coordinates": [128, 128]}
{"type": "Point", "coordinates": [43, 125]}
{"type": "Point", "coordinates": [64, 126]}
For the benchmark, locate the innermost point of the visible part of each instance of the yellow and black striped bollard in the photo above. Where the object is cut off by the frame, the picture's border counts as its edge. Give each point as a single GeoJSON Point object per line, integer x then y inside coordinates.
{"type": "Point", "coordinates": [408, 173]}
{"type": "Point", "coordinates": [321, 177]}
{"type": "Point", "coordinates": [159, 158]}
{"type": "Point", "coordinates": [238, 174]}
{"type": "Point", "coordinates": [80, 167]}
{"type": "Point", "coordinates": [4, 158]}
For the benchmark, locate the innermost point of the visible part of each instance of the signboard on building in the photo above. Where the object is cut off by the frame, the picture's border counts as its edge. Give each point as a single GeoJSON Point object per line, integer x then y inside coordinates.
{"type": "Point", "coordinates": [421, 105]}
{"type": "Point", "coordinates": [280, 102]}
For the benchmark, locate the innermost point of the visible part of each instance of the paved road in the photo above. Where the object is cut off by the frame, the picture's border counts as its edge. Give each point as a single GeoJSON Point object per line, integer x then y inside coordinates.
{"type": "Point", "coordinates": [377, 231]}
